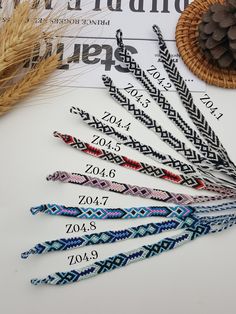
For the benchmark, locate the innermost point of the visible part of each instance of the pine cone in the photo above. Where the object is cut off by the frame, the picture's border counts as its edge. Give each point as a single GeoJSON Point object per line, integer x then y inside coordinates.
{"type": "Point", "coordinates": [217, 34]}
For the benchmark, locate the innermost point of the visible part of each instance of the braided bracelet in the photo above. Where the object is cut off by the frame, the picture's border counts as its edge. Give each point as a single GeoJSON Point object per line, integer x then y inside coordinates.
{"type": "Point", "coordinates": [128, 163]}
{"type": "Point", "coordinates": [124, 259]}
{"type": "Point", "coordinates": [141, 167]}
{"type": "Point", "coordinates": [133, 190]}
{"type": "Point", "coordinates": [129, 141]}
{"type": "Point", "coordinates": [199, 227]}
{"type": "Point", "coordinates": [109, 236]}
{"type": "Point", "coordinates": [140, 231]}
{"type": "Point", "coordinates": [190, 154]}
{"type": "Point", "coordinates": [141, 76]}
{"type": "Point", "coordinates": [144, 118]}
{"type": "Point", "coordinates": [188, 218]}
{"type": "Point", "coordinates": [187, 100]}
{"type": "Point", "coordinates": [130, 213]}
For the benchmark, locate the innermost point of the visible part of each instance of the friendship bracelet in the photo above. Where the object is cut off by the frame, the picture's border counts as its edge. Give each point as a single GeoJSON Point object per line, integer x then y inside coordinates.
{"type": "Point", "coordinates": [109, 236]}
{"type": "Point", "coordinates": [189, 219]}
{"type": "Point", "coordinates": [126, 162]}
{"type": "Point", "coordinates": [124, 259]}
{"type": "Point", "coordinates": [187, 100]}
{"type": "Point", "coordinates": [166, 107]}
{"type": "Point", "coordinates": [141, 167]}
{"type": "Point", "coordinates": [133, 190]}
{"type": "Point", "coordinates": [140, 231]}
{"type": "Point", "coordinates": [190, 154]}
{"type": "Point", "coordinates": [130, 213]}
{"type": "Point", "coordinates": [115, 213]}
{"type": "Point", "coordinates": [129, 141]}
{"type": "Point", "coordinates": [199, 228]}
{"type": "Point", "coordinates": [220, 164]}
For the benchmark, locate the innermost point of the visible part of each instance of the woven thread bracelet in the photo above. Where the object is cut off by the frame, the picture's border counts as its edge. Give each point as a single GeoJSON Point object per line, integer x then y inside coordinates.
{"type": "Point", "coordinates": [120, 260]}
{"type": "Point", "coordinates": [198, 229]}
{"type": "Point", "coordinates": [126, 234]}
{"type": "Point", "coordinates": [129, 141]}
{"type": "Point", "coordinates": [194, 112]}
{"type": "Point", "coordinates": [189, 154]}
{"type": "Point", "coordinates": [123, 161]}
{"type": "Point", "coordinates": [187, 99]}
{"type": "Point", "coordinates": [109, 236]}
{"type": "Point", "coordinates": [129, 213]}
{"type": "Point", "coordinates": [140, 115]}
{"type": "Point", "coordinates": [189, 219]}
{"type": "Point", "coordinates": [133, 190]}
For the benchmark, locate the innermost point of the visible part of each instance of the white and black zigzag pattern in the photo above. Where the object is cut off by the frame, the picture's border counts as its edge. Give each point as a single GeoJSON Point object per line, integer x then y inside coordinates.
{"type": "Point", "coordinates": [172, 114]}
{"type": "Point", "coordinates": [187, 100]}
{"type": "Point", "coordinates": [191, 155]}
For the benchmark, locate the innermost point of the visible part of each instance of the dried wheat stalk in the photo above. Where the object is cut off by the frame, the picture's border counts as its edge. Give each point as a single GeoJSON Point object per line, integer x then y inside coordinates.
{"type": "Point", "coordinates": [21, 89]}
{"type": "Point", "coordinates": [19, 38]}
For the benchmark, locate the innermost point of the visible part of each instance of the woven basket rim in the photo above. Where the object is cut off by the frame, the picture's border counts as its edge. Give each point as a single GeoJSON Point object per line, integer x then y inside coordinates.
{"type": "Point", "coordinates": [189, 50]}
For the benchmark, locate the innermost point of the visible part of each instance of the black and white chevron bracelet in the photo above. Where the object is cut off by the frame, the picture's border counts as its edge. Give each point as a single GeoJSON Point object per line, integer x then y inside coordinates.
{"type": "Point", "coordinates": [197, 117]}
{"type": "Point", "coordinates": [179, 146]}
{"type": "Point", "coordinates": [205, 149]}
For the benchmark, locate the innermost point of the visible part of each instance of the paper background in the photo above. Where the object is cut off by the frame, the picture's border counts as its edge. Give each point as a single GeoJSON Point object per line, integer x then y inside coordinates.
{"type": "Point", "coordinates": [84, 28]}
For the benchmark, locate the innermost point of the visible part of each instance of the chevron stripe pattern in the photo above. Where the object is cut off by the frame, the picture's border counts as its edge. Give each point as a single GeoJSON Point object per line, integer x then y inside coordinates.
{"type": "Point", "coordinates": [187, 100]}
{"type": "Point", "coordinates": [172, 114]}
{"type": "Point", "coordinates": [129, 141]}
{"type": "Point", "coordinates": [190, 154]}
{"type": "Point", "coordinates": [109, 236]}
{"type": "Point", "coordinates": [124, 259]}
{"type": "Point", "coordinates": [128, 163]}
{"type": "Point", "coordinates": [181, 212]}
{"type": "Point", "coordinates": [134, 190]}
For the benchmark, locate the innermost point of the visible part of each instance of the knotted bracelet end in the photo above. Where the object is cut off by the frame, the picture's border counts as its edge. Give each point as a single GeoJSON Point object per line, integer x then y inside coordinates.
{"type": "Point", "coordinates": [119, 38]}
{"type": "Point", "coordinates": [36, 210]}
{"type": "Point", "coordinates": [26, 254]}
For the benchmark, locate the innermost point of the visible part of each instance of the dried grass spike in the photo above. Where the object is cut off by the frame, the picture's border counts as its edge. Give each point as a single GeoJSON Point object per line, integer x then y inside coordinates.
{"type": "Point", "coordinates": [35, 77]}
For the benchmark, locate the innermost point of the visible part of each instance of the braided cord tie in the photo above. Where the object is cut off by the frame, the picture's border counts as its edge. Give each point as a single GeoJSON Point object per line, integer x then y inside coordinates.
{"type": "Point", "coordinates": [215, 208]}
{"type": "Point", "coordinates": [166, 107]}
{"type": "Point", "coordinates": [187, 100]}
{"type": "Point", "coordinates": [134, 190]}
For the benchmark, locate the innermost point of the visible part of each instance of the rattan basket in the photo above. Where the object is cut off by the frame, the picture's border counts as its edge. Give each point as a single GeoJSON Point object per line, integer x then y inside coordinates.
{"type": "Point", "coordinates": [187, 44]}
